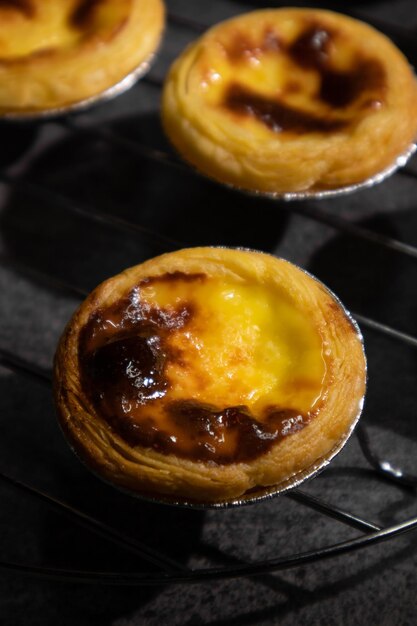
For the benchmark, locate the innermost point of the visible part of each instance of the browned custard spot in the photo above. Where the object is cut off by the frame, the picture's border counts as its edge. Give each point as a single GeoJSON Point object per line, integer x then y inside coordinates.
{"type": "Point", "coordinates": [311, 49]}
{"type": "Point", "coordinates": [124, 353]}
{"type": "Point", "coordinates": [232, 434]}
{"type": "Point", "coordinates": [83, 14]}
{"type": "Point", "coordinates": [338, 89]}
{"type": "Point", "coordinates": [292, 86]}
{"type": "Point", "coordinates": [277, 115]}
{"type": "Point", "coordinates": [24, 6]}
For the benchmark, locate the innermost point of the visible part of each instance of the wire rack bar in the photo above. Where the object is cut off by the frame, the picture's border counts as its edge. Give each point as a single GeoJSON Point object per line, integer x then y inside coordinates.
{"type": "Point", "coordinates": [312, 212]}
{"type": "Point", "coordinates": [386, 330]}
{"type": "Point", "coordinates": [15, 363]}
{"type": "Point", "coordinates": [132, 147]}
{"type": "Point", "coordinates": [332, 511]}
{"type": "Point", "coordinates": [97, 526]}
{"type": "Point", "coordinates": [87, 212]}
{"type": "Point", "coordinates": [40, 277]}
{"type": "Point", "coordinates": [383, 467]}
{"type": "Point", "coordinates": [341, 224]}
{"type": "Point", "coordinates": [203, 575]}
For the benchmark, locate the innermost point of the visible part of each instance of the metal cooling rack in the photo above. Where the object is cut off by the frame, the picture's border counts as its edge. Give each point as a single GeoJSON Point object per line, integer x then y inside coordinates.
{"type": "Point", "coordinates": [168, 569]}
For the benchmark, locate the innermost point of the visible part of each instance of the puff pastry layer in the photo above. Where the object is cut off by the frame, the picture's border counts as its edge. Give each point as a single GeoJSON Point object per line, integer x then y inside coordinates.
{"type": "Point", "coordinates": [290, 100]}
{"type": "Point", "coordinates": [208, 372]}
{"type": "Point", "coordinates": [57, 53]}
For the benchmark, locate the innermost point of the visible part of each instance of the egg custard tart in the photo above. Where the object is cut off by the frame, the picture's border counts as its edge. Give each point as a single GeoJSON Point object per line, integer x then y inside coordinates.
{"type": "Point", "coordinates": [287, 100]}
{"type": "Point", "coordinates": [205, 373]}
{"type": "Point", "coordinates": [56, 54]}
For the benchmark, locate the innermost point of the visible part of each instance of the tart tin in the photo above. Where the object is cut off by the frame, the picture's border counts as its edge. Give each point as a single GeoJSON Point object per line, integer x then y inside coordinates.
{"type": "Point", "coordinates": [256, 494]}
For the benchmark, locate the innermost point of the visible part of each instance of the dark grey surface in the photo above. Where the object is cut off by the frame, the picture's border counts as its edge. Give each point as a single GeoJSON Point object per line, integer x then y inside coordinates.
{"type": "Point", "coordinates": [376, 586]}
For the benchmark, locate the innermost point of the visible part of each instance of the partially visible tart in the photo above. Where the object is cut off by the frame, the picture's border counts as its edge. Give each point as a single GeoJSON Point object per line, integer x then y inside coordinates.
{"type": "Point", "coordinates": [59, 53]}
{"type": "Point", "coordinates": [207, 372]}
{"type": "Point", "coordinates": [288, 100]}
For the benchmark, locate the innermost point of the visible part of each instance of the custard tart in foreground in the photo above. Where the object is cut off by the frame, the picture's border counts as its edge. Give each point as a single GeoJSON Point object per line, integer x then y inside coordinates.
{"type": "Point", "coordinates": [56, 54]}
{"type": "Point", "coordinates": [208, 372]}
{"type": "Point", "coordinates": [288, 100]}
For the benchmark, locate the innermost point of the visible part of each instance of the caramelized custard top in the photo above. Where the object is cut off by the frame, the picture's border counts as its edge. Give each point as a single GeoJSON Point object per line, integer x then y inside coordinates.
{"type": "Point", "coordinates": [83, 13]}
{"type": "Point", "coordinates": [33, 27]}
{"type": "Point", "coordinates": [338, 87]}
{"type": "Point", "coordinates": [312, 80]}
{"type": "Point", "coordinates": [205, 368]}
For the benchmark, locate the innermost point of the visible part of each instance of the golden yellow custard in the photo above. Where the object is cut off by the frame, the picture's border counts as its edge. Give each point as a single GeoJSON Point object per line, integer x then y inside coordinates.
{"type": "Point", "coordinates": [208, 372]}
{"type": "Point", "coordinates": [289, 100]}
{"type": "Point", "coordinates": [57, 53]}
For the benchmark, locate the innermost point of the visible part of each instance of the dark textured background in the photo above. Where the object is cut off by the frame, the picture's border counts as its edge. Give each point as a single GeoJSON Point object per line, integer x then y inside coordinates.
{"type": "Point", "coordinates": [375, 586]}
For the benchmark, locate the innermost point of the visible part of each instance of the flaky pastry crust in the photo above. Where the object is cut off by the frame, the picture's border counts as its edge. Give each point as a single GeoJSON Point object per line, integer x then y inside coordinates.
{"type": "Point", "coordinates": [289, 100]}
{"type": "Point", "coordinates": [282, 300]}
{"type": "Point", "coordinates": [56, 54]}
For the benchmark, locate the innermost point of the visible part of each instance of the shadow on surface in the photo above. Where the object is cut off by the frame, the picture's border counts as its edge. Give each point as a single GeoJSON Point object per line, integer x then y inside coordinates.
{"type": "Point", "coordinates": [173, 209]}
{"type": "Point", "coordinates": [34, 451]}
